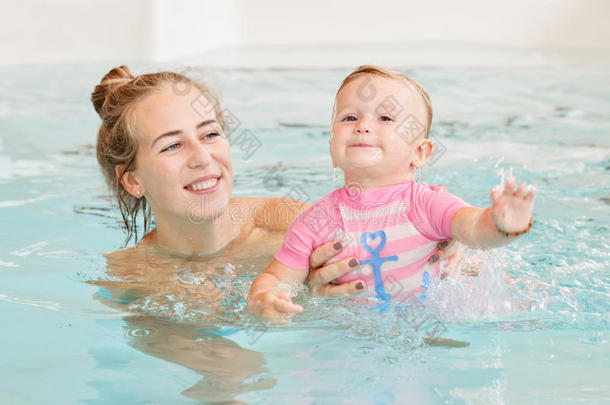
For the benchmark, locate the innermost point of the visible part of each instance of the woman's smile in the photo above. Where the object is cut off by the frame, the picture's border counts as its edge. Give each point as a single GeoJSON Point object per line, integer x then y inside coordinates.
{"type": "Point", "coordinates": [205, 184]}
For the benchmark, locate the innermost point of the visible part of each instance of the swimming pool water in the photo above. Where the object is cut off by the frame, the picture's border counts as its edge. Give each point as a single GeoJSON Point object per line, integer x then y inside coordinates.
{"type": "Point", "coordinates": [542, 339]}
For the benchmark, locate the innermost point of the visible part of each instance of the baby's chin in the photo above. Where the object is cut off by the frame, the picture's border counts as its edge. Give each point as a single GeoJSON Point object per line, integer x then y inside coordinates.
{"type": "Point", "coordinates": [363, 157]}
{"type": "Point", "coordinates": [364, 163]}
{"type": "Point", "coordinates": [361, 172]}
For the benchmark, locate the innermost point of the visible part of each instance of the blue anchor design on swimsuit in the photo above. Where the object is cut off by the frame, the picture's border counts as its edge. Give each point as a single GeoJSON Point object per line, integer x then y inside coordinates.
{"type": "Point", "coordinates": [376, 261]}
{"type": "Point", "coordinates": [426, 280]}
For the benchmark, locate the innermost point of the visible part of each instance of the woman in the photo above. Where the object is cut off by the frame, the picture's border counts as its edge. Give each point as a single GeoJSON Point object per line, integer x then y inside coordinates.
{"type": "Point", "coordinates": [162, 150]}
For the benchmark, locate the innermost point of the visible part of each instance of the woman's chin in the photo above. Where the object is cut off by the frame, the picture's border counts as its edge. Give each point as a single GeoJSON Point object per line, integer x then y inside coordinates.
{"type": "Point", "coordinates": [206, 213]}
{"type": "Point", "coordinates": [205, 207]}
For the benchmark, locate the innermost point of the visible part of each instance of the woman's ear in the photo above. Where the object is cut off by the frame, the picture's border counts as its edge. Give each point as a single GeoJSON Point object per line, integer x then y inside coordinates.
{"type": "Point", "coordinates": [129, 181]}
{"type": "Point", "coordinates": [423, 153]}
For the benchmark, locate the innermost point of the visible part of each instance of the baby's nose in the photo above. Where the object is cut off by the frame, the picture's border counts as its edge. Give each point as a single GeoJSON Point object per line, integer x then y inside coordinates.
{"type": "Point", "coordinates": [363, 127]}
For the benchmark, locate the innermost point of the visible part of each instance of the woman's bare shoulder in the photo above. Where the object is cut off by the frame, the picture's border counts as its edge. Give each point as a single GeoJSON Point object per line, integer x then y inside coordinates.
{"type": "Point", "coordinates": [120, 255]}
{"type": "Point", "coordinates": [269, 212]}
{"type": "Point", "coordinates": [270, 201]}
{"type": "Point", "coordinates": [135, 254]}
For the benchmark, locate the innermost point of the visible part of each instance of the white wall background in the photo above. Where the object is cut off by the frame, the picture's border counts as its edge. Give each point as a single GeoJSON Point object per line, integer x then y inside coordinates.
{"type": "Point", "coordinates": [39, 31]}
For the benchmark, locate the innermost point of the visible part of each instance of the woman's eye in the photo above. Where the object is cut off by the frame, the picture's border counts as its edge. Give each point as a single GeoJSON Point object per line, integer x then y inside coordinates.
{"type": "Point", "coordinates": [173, 146]}
{"type": "Point", "coordinates": [211, 136]}
{"type": "Point", "coordinates": [386, 118]}
{"type": "Point", "coordinates": [349, 118]}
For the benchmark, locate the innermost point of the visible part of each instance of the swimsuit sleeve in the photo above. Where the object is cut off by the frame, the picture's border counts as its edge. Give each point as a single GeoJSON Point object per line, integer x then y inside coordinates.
{"type": "Point", "coordinates": [305, 234]}
{"type": "Point", "coordinates": [433, 210]}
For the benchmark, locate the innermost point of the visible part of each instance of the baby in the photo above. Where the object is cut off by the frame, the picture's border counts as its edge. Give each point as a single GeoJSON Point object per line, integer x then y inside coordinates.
{"type": "Point", "coordinates": [390, 222]}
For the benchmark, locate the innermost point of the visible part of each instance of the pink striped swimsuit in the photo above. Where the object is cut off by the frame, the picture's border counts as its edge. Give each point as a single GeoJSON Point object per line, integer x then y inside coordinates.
{"type": "Point", "coordinates": [392, 230]}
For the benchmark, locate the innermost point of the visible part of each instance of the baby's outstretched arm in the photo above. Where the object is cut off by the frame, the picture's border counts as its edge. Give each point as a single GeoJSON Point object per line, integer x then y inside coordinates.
{"type": "Point", "coordinates": [266, 300]}
{"type": "Point", "coordinates": [500, 224]}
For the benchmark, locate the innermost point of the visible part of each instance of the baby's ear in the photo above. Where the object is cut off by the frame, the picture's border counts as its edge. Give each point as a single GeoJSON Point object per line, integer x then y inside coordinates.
{"type": "Point", "coordinates": [423, 153]}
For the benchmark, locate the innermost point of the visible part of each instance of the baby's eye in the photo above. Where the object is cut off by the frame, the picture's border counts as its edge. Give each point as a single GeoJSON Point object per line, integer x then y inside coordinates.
{"type": "Point", "coordinates": [386, 118]}
{"type": "Point", "coordinates": [173, 146]}
{"type": "Point", "coordinates": [349, 118]}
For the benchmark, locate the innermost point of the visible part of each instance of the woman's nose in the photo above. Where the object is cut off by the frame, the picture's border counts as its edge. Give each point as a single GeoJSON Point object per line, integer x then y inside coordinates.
{"type": "Point", "coordinates": [200, 156]}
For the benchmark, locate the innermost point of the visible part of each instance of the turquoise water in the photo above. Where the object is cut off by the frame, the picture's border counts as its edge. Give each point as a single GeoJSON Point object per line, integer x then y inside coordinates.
{"type": "Point", "coordinates": [541, 339]}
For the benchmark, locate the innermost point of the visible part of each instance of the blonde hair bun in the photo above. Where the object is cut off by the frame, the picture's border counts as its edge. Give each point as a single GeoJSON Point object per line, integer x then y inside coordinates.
{"type": "Point", "coordinates": [114, 79]}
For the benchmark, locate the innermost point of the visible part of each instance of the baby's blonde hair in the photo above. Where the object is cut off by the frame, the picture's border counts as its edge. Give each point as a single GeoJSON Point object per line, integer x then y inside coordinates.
{"type": "Point", "coordinates": [389, 74]}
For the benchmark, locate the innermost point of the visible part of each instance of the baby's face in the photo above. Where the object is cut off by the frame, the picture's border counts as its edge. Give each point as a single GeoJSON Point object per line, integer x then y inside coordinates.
{"type": "Point", "coordinates": [378, 125]}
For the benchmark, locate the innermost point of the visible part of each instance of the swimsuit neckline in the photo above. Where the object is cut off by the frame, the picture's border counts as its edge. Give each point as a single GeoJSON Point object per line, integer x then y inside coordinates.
{"type": "Point", "coordinates": [375, 197]}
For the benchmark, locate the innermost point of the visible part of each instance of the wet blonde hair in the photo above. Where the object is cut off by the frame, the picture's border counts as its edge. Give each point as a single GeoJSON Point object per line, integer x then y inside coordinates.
{"type": "Point", "coordinates": [114, 98]}
{"type": "Point", "coordinates": [389, 74]}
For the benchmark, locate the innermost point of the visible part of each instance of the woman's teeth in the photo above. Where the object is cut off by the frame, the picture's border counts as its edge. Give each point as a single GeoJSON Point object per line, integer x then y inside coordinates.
{"type": "Point", "coordinates": [203, 185]}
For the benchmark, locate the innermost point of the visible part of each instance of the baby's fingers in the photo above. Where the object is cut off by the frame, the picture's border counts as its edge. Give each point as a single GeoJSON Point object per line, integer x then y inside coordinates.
{"type": "Point", "coordinates": [510, 187]}
{"type": "Point", "coordinates": [495, 194]}
{"type": "Point", "coordinates": [521, 191]}
{"type": "Point", "coordinates": [531, 192]}
{"type": "Point", "coordinates": [286, 307]}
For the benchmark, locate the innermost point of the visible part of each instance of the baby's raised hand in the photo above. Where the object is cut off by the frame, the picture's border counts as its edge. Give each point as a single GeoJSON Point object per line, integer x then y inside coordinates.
{"type": "Point", "coordinates": [274, 305]}
{"type": "Point", "coordinates": [511, 206]}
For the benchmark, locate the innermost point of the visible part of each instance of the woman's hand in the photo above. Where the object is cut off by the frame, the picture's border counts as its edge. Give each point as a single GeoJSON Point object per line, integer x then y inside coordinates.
{"type": "Point", "coordinates": [452, 250]}
{"type": "Point", "coordinates": [321, 274]}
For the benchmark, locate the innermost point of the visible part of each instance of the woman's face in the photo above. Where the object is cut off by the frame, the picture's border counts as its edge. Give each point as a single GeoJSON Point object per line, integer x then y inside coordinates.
{"type": "Point", "coordinates": [183, 162]}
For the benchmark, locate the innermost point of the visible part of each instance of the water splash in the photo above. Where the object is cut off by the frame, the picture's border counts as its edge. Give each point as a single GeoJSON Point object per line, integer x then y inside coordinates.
{"type": "Point", "coordinates": [503, 173]}
{"type": "Point", "coordinates": [506, 294]}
